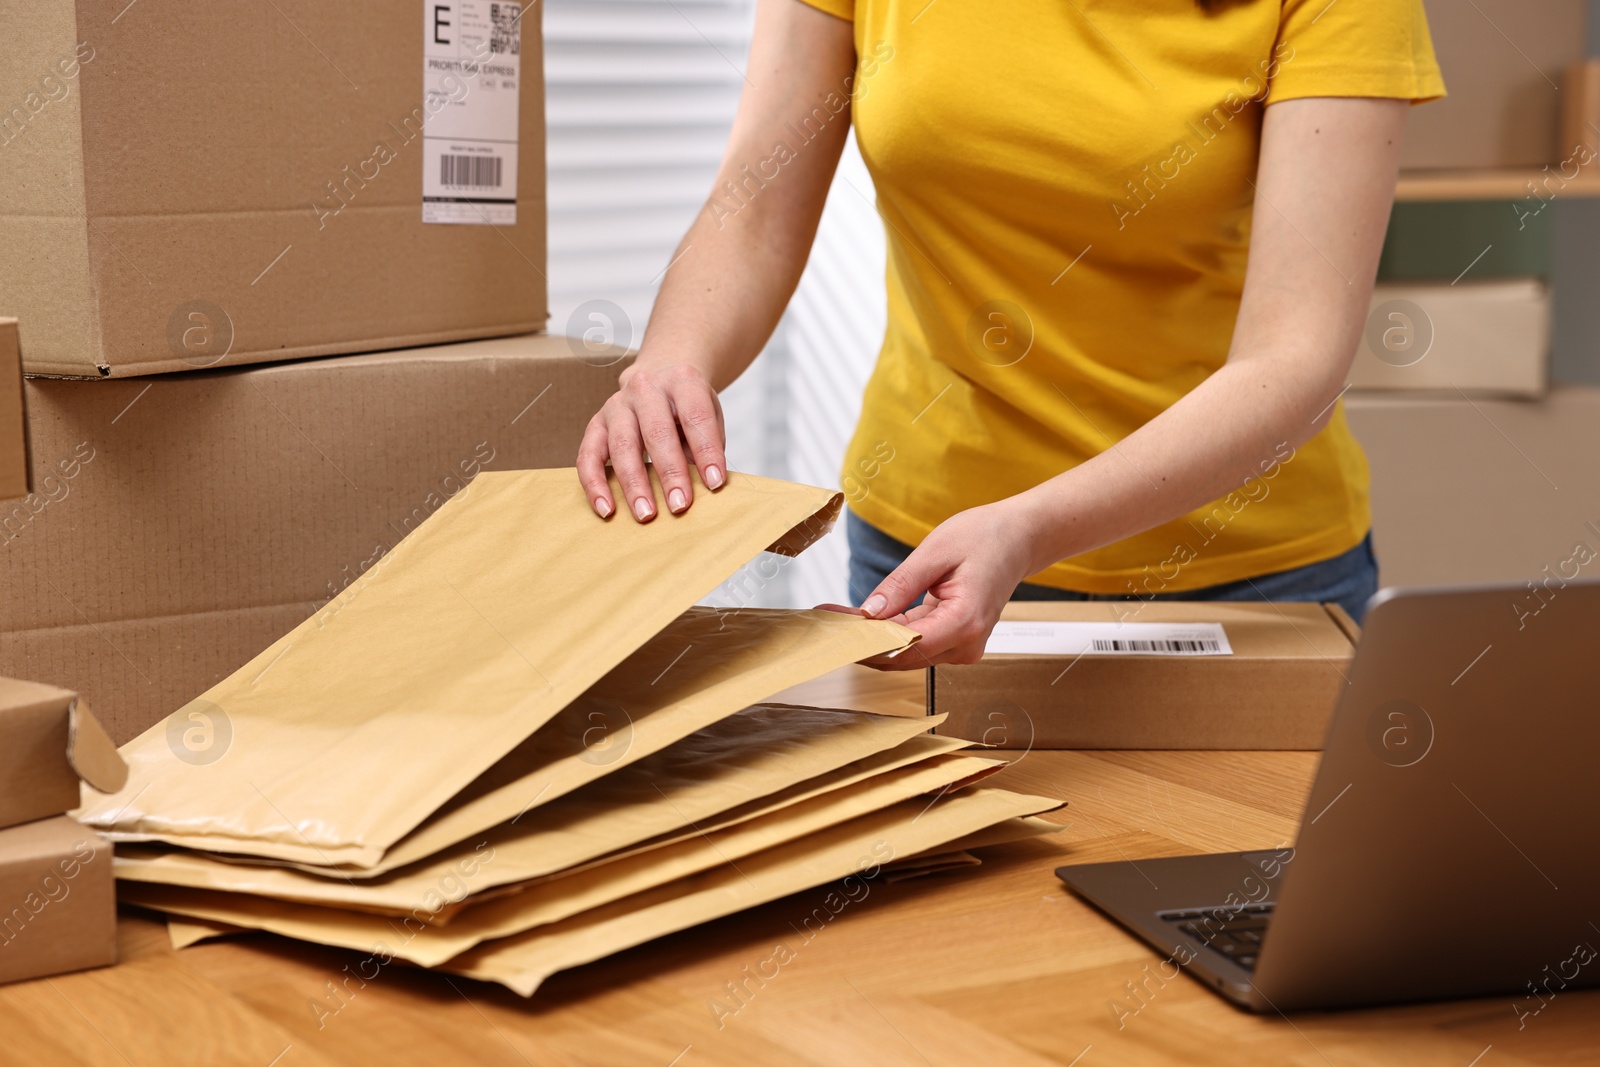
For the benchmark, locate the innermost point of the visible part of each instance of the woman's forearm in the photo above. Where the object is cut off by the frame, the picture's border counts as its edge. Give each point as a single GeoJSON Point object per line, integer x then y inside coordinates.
{"type": "Point", "coordinates": [722, 297]}
{"type": "Point", "coordinates": [1244, 421]}
{"type": "Point", "coordinates": [738, 265]}
{"type": "Point", "coordinates": [1325, 186]}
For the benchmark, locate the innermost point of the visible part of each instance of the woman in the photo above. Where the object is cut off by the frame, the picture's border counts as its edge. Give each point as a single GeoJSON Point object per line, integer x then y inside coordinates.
{"type": "Point", "coordinates": [1081, 385]}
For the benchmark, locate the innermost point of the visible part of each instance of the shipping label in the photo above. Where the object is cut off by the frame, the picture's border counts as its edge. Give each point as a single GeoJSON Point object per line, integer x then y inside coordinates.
{"type": "Point", "coordinates": [471, 70]}
{"type": "Point", "coordinates": [1109, 639]}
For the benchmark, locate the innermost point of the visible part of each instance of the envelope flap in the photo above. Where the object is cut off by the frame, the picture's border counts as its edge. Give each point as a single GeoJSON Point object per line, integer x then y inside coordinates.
{"type": "Point", "coordinates": [91, 752]}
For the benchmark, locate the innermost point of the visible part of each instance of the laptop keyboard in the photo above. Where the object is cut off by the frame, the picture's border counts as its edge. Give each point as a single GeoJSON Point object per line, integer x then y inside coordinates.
{"type": "Point", "coordinates": [1235, 932]}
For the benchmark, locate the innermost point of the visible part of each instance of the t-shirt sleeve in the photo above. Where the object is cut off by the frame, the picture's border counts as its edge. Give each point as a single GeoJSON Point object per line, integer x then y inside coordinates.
{"type": "Point", "coordinates": [844, 9]}
{"type": "Point", "coordinates": [1375, 48]}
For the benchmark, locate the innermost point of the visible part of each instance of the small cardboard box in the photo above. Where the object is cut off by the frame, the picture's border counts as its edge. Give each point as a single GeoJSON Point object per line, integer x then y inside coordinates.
{"type": "Point", "coordinates": [58, 906]}
{"type": "Point", "coordinates": [1476, 337]}
{"type": "Point", "coordinates": [1453, 503]}
{"type": "Point", "coordinates": [1502, 61]}
{"type": "Point", "coordinates": [49, 741]}
{"type": "Point", "coordinates": [1147, 675]}
{"type": "Point", "coordinates": [14, 479]}
{"type": "Point", "coordinates": [190, 184]}
{"type": "Point", "coordinates": [180, 524]}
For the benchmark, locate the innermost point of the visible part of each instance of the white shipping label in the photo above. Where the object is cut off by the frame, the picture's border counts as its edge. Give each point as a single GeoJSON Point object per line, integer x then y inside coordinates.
{"type": "Point", "coordinates": [471, 68]}
{"type": "Point", "coordinates": [1109, 639]}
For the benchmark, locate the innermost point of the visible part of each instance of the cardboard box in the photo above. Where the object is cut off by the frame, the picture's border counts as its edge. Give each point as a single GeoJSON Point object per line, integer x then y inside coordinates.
{"type": "Point", "coordinates": [192, 184]}
{"type": "Point", "coordinates": [1502, 63]}
{"type": "Point", "coordinates": [14, 478]}
{"type": "Point", "coordinates": [1580, 109]}
{"type": "Point", "coordinates": [49, 741]}
{"type": "Point", "coordinates": [1483, 490]}
{"type": "Point", "coordinates": [1478, 337]}
{"type": "Point", "coordinates": [183, 523]}
{"type": "Point", "coordinates": [1276, 690]}
{"type": "Point", "coordinates": [58, 907]}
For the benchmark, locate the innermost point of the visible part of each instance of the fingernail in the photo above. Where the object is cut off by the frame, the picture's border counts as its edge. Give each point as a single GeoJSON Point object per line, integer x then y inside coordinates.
{"type": "Point", "coordinates": [714, 478]}
{"type": "Point", "coordinates": [602, 507]}
{"type": "Point", "coordinates": [677, 501]}
{"type": "Point", "coordinates": [875, 603]}
{"type": "Point", "coordinates": [643, 509]}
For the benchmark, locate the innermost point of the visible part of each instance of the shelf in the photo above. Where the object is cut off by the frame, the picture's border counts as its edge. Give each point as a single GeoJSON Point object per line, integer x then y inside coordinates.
{"type": "Point", "coordinates": [1489, 184]}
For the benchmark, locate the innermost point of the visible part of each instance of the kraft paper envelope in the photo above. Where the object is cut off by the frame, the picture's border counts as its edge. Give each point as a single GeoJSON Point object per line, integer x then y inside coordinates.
{"type": "Point", "coordinates": [414, 940]}
{"type": "Point", "coordinates": [958, 854]}
{"type": "Point", "coordinates": [939, 864]}
{"type": "Point", "coordinates": [705, 667]}
{"type": "Point", "coordinates": [186, 932]}
{"type": "Point", "coordinates": [189, 931]}
{"type": "Point", "coordinates": [751, 754]}
{"type": "Point", "coordinates": [498, 611]}
{"type": "Point", "coordinates": [1020, 829]}
{"type": "Point", "coordinates": [915, 750]}
{"type": "Point", "coordinates": [751, 656]}
{"type": "Point", "coordinates": [524, 961]}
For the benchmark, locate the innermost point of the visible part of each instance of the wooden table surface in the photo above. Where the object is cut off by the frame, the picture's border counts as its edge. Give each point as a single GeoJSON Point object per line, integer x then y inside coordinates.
{"type": "Point", "coordinates": [996, 965]}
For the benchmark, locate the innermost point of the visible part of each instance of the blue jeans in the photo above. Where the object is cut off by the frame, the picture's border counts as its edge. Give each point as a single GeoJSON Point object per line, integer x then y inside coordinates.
{"type": "Point", "coordinates": [1347, 579]}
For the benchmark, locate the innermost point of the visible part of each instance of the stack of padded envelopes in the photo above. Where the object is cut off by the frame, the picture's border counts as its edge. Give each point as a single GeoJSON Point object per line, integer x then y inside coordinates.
{"type": "Point", "coordinates": [515, 745]}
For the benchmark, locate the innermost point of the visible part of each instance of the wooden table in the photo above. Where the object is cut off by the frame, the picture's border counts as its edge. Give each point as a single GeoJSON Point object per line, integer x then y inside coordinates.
{"type": "Point", "coordinates": [995, 965]}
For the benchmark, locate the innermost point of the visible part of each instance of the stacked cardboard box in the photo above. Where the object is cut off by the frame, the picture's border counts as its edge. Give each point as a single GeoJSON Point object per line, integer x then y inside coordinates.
{"type": "Point", "coordinates": [329, 178]}
{"type": "Point", "coordinates": [1475, 491]}
{"type": "Point", "coordinates": [1486, 337]}
{"type": "Point", "coordinates": [57, 906]}
{"type": "Point", "coordinates": [15, 479]}
{"type": "Point", "coordinates": [181, 523]}
{"type": "Point", "coordinates": [503, 755]}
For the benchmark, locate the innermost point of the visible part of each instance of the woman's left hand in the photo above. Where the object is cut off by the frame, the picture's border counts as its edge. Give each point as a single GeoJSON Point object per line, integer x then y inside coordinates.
{"type": "Point", "coordinates": [969, 565]}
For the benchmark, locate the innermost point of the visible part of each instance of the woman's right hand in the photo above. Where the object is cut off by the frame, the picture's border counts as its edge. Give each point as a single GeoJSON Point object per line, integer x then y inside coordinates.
{"type": "Point", "coordinates": [734, 271]}
{"type": "Point", "coordinates": [668, 413]}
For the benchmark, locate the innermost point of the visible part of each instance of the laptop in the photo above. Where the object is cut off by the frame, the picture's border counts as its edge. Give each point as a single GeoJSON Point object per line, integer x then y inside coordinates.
{"type": "Point", "coordinates": [1451, 843]}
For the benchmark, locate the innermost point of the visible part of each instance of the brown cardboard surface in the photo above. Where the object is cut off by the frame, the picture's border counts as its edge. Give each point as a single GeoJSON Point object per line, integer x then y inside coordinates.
{"type": "Point", "coordinates": [570, 894]}
{"type": "Point", "coordinates": [859, 847]}
{"type": "Point", "coordinates": [1277, 690]}
{"type": "Point", "coordinates": [49, 741]}
{"type": "Point", "coordinates": [57, 904]}
{"type": "Point", "coordinates": [14, 473]}
{"type": "Point", "coordinates": [142, 188]}
{"type": "Point", "coordinates": [181, 524]}
{"type": "Point", "coordinates": [1502, 61]}
{"type": "Point", "coordinates": [470, 636]}
{"type": "Point", "coordinates": [755, 754]}
{"type": "Point", "coordinates": [1484, 490]}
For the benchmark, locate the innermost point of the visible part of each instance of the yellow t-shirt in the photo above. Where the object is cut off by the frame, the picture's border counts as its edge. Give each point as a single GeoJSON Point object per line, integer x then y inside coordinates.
{"type": "Point", "coordinates": [1066, 188]}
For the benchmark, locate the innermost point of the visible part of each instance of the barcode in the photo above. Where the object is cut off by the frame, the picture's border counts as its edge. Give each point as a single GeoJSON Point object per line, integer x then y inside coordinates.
{"type": "Point", "coordinates": [1176, 646]}
{"type": "Point", "coordinates": [503, 36]}
{"type": "Point", "coordinates": [480, 171]}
